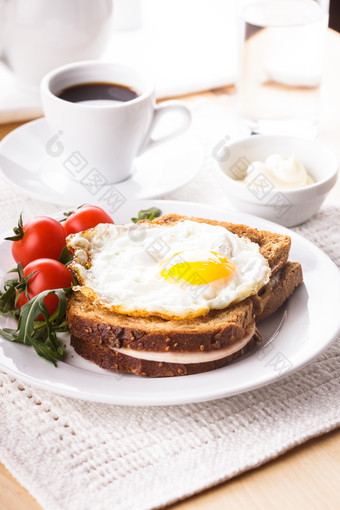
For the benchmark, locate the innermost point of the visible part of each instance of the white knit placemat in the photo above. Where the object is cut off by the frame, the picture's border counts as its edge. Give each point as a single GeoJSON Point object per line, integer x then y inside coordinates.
{"type": "Point", "coordinates": [74, 455]}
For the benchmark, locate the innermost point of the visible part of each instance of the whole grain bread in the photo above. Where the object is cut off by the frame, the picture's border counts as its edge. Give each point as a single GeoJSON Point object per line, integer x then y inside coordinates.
{"type": "Point", "coordinates": [96, 331]}
{"type": "Point", "coordinates": [220, 328]}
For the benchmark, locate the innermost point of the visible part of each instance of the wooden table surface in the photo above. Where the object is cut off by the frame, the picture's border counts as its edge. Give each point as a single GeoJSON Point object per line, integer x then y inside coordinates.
{"type": "Point", "coordinates": [307, 476]}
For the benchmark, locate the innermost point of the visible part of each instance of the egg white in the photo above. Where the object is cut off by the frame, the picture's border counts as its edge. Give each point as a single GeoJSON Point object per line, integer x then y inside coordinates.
{"type": "Point", "coordinates": [119, 268]}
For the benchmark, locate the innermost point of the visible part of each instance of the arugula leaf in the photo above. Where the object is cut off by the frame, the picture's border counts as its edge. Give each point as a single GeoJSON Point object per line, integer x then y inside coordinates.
{"type": "Point", "coordinates": [7, 298]}
{"type": "Point", "coordinates": [65, 256]}
{"type": "Point", "coordinates": [13, 289]}
{"type": "Point", "coordinates": [42, 335]}
{"type": "Point", "coordinates": [147, 214]}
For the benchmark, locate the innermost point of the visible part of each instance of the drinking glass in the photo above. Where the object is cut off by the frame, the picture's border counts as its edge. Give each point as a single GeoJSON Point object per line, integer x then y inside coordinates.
{"type": "Point", "coordinates": [281, 64]}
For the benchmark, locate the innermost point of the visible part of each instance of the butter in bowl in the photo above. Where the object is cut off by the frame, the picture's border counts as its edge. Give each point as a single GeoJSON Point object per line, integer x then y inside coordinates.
{"type": "Point", "coordinates": [283, 179]}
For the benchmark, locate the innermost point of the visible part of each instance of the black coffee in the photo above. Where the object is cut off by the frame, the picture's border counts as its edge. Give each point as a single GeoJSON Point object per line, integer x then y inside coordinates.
{"type": "Point", "coordinates": [100, 91]}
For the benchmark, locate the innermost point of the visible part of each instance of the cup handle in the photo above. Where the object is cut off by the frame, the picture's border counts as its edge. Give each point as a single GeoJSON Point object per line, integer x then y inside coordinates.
{"type": "Point", "coordinates": [159, 111]}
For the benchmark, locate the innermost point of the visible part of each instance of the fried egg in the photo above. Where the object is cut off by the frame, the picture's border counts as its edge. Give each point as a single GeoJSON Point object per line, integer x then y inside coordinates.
{"type": "Point", "coordinates": [174, 271]}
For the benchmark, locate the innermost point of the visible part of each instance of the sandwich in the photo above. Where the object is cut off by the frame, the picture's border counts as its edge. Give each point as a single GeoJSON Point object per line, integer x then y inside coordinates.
{"type": "Point", "coordinates": [175, 296]}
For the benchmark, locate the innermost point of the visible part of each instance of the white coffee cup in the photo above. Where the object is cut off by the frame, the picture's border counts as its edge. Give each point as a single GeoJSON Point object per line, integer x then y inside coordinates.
{"type": "Point", "coordinates": [108, 135]}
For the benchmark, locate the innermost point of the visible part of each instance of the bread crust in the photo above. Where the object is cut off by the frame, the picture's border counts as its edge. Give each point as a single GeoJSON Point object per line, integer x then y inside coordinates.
{"type": "Point", "coordinates": [277, 291]}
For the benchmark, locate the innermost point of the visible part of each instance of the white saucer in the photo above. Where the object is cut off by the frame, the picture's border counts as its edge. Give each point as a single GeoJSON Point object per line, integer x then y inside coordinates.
{"type": "Point", "coordinates": [26, 165]}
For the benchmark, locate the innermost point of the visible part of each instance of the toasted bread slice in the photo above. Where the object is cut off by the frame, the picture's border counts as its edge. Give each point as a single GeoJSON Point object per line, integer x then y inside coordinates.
{"type": "Point", "coordinates": [104, 337]}
{"type": "Point", "coordinates": [220, 328]}
{"type": "Point", "coordinates": [216, 330]}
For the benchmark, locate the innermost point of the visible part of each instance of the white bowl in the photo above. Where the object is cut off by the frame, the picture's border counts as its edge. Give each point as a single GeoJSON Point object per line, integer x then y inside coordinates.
{"type": "Point", "coordinates": [287, 207]}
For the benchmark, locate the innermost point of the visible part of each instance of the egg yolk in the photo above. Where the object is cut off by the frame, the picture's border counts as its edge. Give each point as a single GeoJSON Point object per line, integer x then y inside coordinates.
{"type": "Point", "coordinates": [210, 268]}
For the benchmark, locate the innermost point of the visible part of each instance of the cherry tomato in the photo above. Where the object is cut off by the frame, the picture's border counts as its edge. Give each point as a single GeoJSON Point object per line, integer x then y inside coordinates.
{"type": "Point", "coordinates": [87, 216]}
{"type": "Point", "coordinates": [50, 274]}
{"type": "Point", "coordinates": [41, 237]}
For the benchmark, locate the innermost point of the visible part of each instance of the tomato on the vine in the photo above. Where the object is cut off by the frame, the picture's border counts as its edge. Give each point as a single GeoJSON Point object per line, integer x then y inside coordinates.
{"type": "Point", "coordinates": [50, 274]}
{"type": "Point", "coordinates": [41, 237]}
{"type": "Point", "coordinates": [87, 216]}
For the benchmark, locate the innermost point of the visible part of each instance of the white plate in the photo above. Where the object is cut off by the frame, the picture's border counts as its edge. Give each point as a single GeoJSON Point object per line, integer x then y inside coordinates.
{"type": "Point", "coordinates": [32, 166]}
{"type": "Point", "coordinates": [293, 336]}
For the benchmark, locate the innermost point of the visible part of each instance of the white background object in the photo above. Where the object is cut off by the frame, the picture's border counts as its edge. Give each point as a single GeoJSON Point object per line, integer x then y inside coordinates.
{"type": "Point", "coordinates": [186, 46]}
